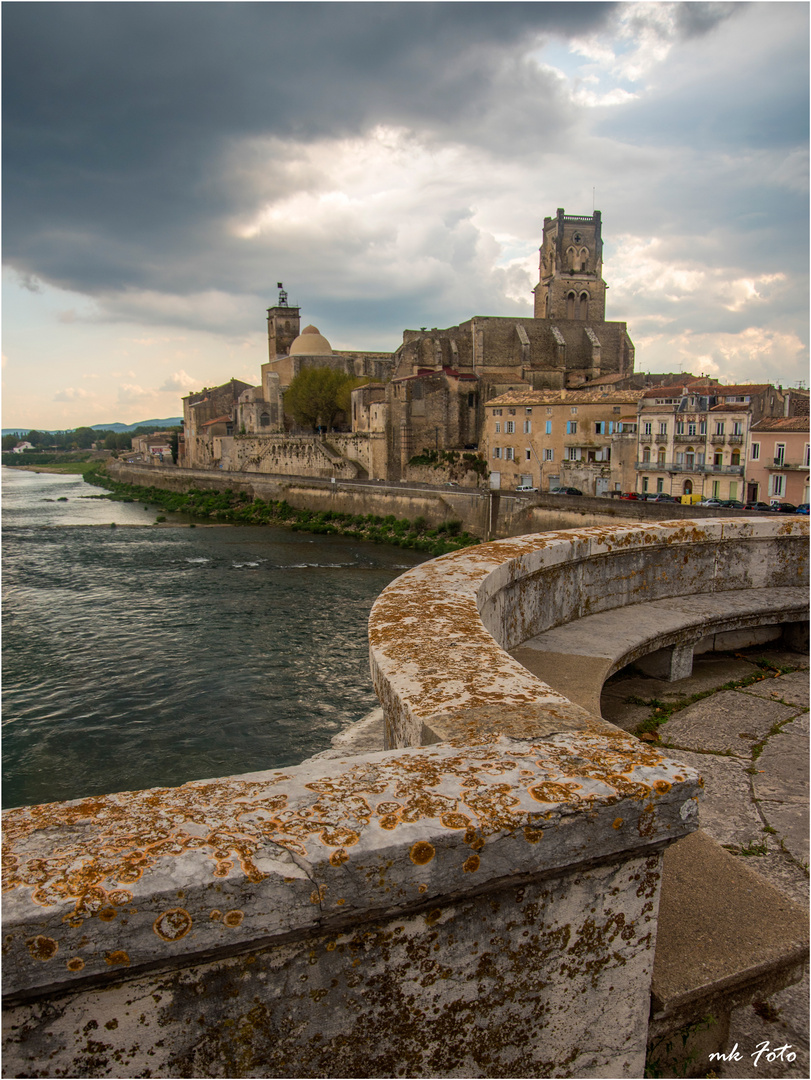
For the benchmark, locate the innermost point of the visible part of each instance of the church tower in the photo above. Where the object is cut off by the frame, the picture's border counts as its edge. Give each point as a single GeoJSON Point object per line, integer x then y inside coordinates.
{"type": "Point", "coordinates": [284, 326]}
{"type": "Point", "coordinates": [571, 282]}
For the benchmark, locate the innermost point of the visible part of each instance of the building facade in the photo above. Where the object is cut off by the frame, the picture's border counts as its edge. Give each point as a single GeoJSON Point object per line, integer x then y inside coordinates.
{"type": "Point", "coordinates": [563, 438]}
{"type": "Point", "coordinates": [777, 466]}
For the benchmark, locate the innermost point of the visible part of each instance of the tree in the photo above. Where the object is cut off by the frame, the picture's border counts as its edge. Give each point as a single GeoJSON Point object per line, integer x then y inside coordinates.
{"type": "Point", "coordinates": [316, 396]}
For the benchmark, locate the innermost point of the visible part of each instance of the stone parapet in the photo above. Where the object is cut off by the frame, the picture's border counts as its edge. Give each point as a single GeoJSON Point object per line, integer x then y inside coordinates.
{"type": "Point", "coordinates": [483, 905]}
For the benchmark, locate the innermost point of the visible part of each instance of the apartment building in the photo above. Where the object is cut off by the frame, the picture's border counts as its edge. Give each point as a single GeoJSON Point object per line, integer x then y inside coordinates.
{"type": "Point", "coordinates": [551, 438]}
{"type": "Point", "coordinates": [777, 466]}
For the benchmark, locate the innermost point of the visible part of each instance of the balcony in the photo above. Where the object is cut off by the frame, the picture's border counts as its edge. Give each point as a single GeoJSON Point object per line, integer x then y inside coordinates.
{"type": "Point", "coordinates": [660, 438]}
{"type": "Point", "coordinates": [735, 439]}
{"type": "Point", "coordinates": [688, 438]}
{"type": "Point", "coordinates": [786, 466]}
{"type": "Point", "coordinates": [718, 440]}
{"type": "Point", "coordinates": [673, 467]}
{"type": "Point", "coordinates": [646, 438]}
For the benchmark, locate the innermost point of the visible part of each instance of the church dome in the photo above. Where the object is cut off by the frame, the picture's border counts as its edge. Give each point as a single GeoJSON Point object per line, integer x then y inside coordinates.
{"type": "Point", "coordinates": [310, 343]}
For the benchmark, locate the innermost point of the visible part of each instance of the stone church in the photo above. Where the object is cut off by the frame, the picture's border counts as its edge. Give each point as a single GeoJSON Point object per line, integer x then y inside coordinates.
{"type": "Point", "coordinates": [431, 392]}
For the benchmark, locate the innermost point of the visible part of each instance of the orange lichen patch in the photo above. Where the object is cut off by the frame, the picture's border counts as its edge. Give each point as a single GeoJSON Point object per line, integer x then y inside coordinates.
{"type": "Point", "coordinates": [215, 915]}
{"type": "Point", "coordinates": [172, 925]}
{"type": "Point", "coordinates": [233, 918]}
{"type": "Point", "coordinates": [455, 821]}
{"type": "Point", "coordinates": [617, 823]}
{"type": "Point", "coordinates": [661, 787]}
{"type": "Point", "coordinates": [107, 914]}
{"type": "Point", "coordinates": [338, 858]}
{"type": "Point", "coordinates": [119, 896]}
{"type": "Point", "coordinates": [531, 835]}
{"type": "Point", "coordinates": [339, 836]}
{"type": "Point", "coordinates": [43, 948]}
{"type": "Point", "coordinates": [471, 864]}
{"type": "Point", "coordinates": [223, 868]}
{"type": "Point", "coordinates": [75, 963]}
{"type": "Point", "coordinates": [117, 958]}
{"type": "Point", "coordinates": [422, 852]}
{"type": "Point", "coordinates": [551, 792]}
{"type": "Point", "coordinates": [389, 821]}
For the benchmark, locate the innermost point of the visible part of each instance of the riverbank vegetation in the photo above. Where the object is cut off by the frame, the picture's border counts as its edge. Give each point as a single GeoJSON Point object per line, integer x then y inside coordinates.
{"type": "Point", "coordinates": [240, 508]}
{"type": "Point", "coordinates": [77, 463]}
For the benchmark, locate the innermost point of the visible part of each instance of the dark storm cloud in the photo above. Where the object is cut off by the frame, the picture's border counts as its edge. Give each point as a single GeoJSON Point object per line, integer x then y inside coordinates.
{"type": "Point", "coordinates": [115, 115]}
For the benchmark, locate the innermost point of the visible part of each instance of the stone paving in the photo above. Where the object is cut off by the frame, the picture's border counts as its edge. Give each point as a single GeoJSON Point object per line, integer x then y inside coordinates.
{"type": "Point", "coordinates": [751, 744]}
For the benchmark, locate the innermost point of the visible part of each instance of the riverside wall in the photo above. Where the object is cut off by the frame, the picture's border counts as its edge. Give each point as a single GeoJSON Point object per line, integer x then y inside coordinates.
{"type": "Point", "coordinates": [479, 900]}
{"type": "Point", "coordinates": [483, 513]}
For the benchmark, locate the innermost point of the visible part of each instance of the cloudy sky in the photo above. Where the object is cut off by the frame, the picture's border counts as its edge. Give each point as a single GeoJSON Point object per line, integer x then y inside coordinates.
{"type": "Point", "coordinates": [165, 164]}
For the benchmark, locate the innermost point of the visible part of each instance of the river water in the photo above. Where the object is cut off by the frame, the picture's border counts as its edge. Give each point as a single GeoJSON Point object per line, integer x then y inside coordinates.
{"type": "Point", "coordinates": [145, 655]}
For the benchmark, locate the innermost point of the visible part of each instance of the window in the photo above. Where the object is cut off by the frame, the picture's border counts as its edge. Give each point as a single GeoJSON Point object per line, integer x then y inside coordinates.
{"type": "Point", "coordinates": [599, 427]}
{"type": "Point", "coordinates": [511, 412]}
{"type": "Point", "coordinates": [777, 484]}
{"type": "Point", "coordinates": [807, 455]}
{"type": "Point", "coordinates": [496, 412]}
{"type": "Point", "coordinates": [528, 454]}
{"type": "Point", "coordinates": [498, 427]}
{"type": "Point", "coordinates": [644, 483]}
{"type": "Point", "coordinates": [679, 427]}
{"type": "Point", "coordinates": [716, 489]}
{"type": "Point", "coordinates": [264, 420]}
{"type": "Point", "coordinates": [662, 456]}
{"type": "Point", "coordinates": [662, 427]}
{"type": "Point", "coordinates": [549, 455]}
{"type": "Point", "coordinates": [527, 427]}
{"type": "Point", "coordinates": [755, 451]}
{"type": "Point", "coordinates": [718, 459]}
{"type": "Point", "coordinates": [573, 411]}
{"type": "Point", "coordinates": [660, 484]}
{"type": "Point", "coordinates": [736, 459]}
{"type": "Point", "coordinates": [733, 490]}
{"type": "Point", "coordinates": [548, 412]}
{"type": "Point", "coordinates": [719, 427]}
{"type": "Point", "coordinates": [648, 428]}
{"type": "Point", "coordinates": [737, 428]}
{"type": "Point", "coordinates": [779, 453]}
{"type": "Point", "coordinates": [496, 451]}
{"type": "Point", "coordinates": [700, 457]}
{"type": "Point", "coordinates": [548, 427]}
{"type": "Point", "coordinates": [702, 427]}
{"type": "Point", "coordinates": [691, 429]}
{"type": "Point", "coordinates": [471, 401]}
{"type": "Point", "coordinates": [509, 453]}
{"type": "Point", "coordinates": [679, 457]}
{"type": "Point", "coordinates": [646, 455]}
{"type": "Point", "coordinates": [509, 426]}
{"type": "Point", "coordinates": [571, 427]}
{"type": "Point", "coordinates": [528, 412]}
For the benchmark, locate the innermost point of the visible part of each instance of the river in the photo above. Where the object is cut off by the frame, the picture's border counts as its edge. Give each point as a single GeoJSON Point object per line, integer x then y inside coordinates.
{"type": "Point", "coordinates": [141, 655]}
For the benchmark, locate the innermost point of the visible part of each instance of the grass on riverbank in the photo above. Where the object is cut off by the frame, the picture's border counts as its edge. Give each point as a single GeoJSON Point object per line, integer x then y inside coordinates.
{"type": "Point", "coordinates": [51, 463]}
{"type": "Point", "coordinates": [239, 508]}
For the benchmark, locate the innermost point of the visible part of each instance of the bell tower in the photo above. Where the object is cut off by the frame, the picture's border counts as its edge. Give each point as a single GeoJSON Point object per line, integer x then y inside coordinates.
{"type": "Point", "coordinates": [284, 326]}
{"type": "Point", "coordinates": [570, 284]}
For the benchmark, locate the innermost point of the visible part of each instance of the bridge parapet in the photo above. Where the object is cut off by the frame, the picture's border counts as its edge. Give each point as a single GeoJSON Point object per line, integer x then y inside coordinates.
{"type": "Point", "coordinates": [483, 905]}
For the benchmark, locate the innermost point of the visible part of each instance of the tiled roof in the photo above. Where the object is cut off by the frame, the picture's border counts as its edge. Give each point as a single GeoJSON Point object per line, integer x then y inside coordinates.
{"type": "Point", "coordinates": [568, 397]}
{"type": "Point", "coordinates": [218, 420]}
{"type": "Point", "coordinates": [741, 389]}
{"type": "Point", "coordinates": [732, 406]}
{"type": "Point", "coordinates": [782, 423]}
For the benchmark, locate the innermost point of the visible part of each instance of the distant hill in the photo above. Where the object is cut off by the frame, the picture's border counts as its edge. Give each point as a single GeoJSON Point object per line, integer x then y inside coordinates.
{"type": "Point", "coordinates": [173, 421]}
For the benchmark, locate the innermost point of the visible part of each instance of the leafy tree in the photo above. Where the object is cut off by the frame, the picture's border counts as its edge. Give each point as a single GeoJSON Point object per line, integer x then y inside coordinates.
{"type": "Point", "coordinates": [84, 437]}
{"type": "Point", "coordinates": [10, 441]}
{"type": "Point", "coordinates": [316, 396]}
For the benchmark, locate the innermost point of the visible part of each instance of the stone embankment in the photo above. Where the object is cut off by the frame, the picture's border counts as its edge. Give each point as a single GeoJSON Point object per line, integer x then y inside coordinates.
{"type": "Point", "coordinates": [483, 513]}
{"type": "Point", "coordinates": [481, 899]}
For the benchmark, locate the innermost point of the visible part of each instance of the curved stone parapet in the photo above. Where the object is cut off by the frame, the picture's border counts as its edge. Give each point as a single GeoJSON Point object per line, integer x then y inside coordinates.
{"type": "Point", "coordinates": [439, 634]}
{"type": "Point", "coordinates": [469, 908]}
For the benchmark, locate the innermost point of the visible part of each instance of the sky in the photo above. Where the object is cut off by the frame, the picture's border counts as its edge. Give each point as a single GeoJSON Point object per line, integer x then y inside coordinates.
{"type": "Point", "coordinates": [166, 164]}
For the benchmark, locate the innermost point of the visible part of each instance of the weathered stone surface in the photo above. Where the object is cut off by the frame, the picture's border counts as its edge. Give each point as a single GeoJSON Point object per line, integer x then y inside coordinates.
{"type": "Point", "coordinates": [791, 688]}
{"type": "Point", "coordinates": [724, 724]}
{"type": "Point", "coordinates": [728, 814]}
{"type": "Point", "coordinates": [786, 1026]}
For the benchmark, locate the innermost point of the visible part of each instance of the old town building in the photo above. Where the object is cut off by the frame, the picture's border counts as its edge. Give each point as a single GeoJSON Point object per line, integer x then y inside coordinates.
{"type": "Point", "coordinates": [560, 438]}
{"type": "Point", "coordinates": [777, 466]}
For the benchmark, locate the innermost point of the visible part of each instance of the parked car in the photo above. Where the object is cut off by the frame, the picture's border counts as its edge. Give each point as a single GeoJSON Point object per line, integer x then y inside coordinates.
{"type": "Point", "coordinates": [710, 502]}
{"type": "Point", "coordinates": [803, 508]}
{"type": "Point", "coordinates": [525, 487]}
{"type": "Point", "coordinates": [733, 504]}
{"type": "Point", "coordinates": [760, 506]}
{"type": "Point", "coordinates": [565, 491]}
{"type": "Point", "coordinates": [660, 496]}
{"type": "Point", "coordinates": [630, 495]}
{"type": "Point", "coordinates": [783, 508]}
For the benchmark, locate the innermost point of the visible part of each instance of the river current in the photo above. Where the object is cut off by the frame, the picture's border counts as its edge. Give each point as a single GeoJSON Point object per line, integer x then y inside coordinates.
{"type": "Point", "coordinates": [146, 655]}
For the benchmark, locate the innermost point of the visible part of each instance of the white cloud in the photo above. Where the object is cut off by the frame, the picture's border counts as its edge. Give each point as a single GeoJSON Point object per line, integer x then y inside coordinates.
{"type": "Point", "coordinates": [72, 393]}
{"type": "Point", "coordinates": [180, 380]}
{"type": "Point", "coordinates": [129, 393]}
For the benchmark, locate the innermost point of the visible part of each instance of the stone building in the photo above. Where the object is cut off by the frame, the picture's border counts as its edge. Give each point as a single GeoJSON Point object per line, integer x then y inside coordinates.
{"type": "Point", "coordinates": [208, 415]}
{"type": "Point", "coordinates": [561, 438]}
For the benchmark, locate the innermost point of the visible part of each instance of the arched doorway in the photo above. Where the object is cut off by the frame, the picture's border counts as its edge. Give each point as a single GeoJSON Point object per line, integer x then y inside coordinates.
{"type": "Point", "coordinates": [688, 487]}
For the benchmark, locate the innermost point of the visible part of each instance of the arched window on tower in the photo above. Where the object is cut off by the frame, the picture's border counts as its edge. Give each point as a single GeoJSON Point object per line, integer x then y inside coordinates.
{"type": "Point", "coordinates": [264, 420]}
{"type": "Point", "coordinates": [583, 258]}
{"type": "Point", "coordinates": [571, 255]}
{"type": "Point", "coordinates": [583, 306]}
{"type": "Point", "coordinates": [570, 298]}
